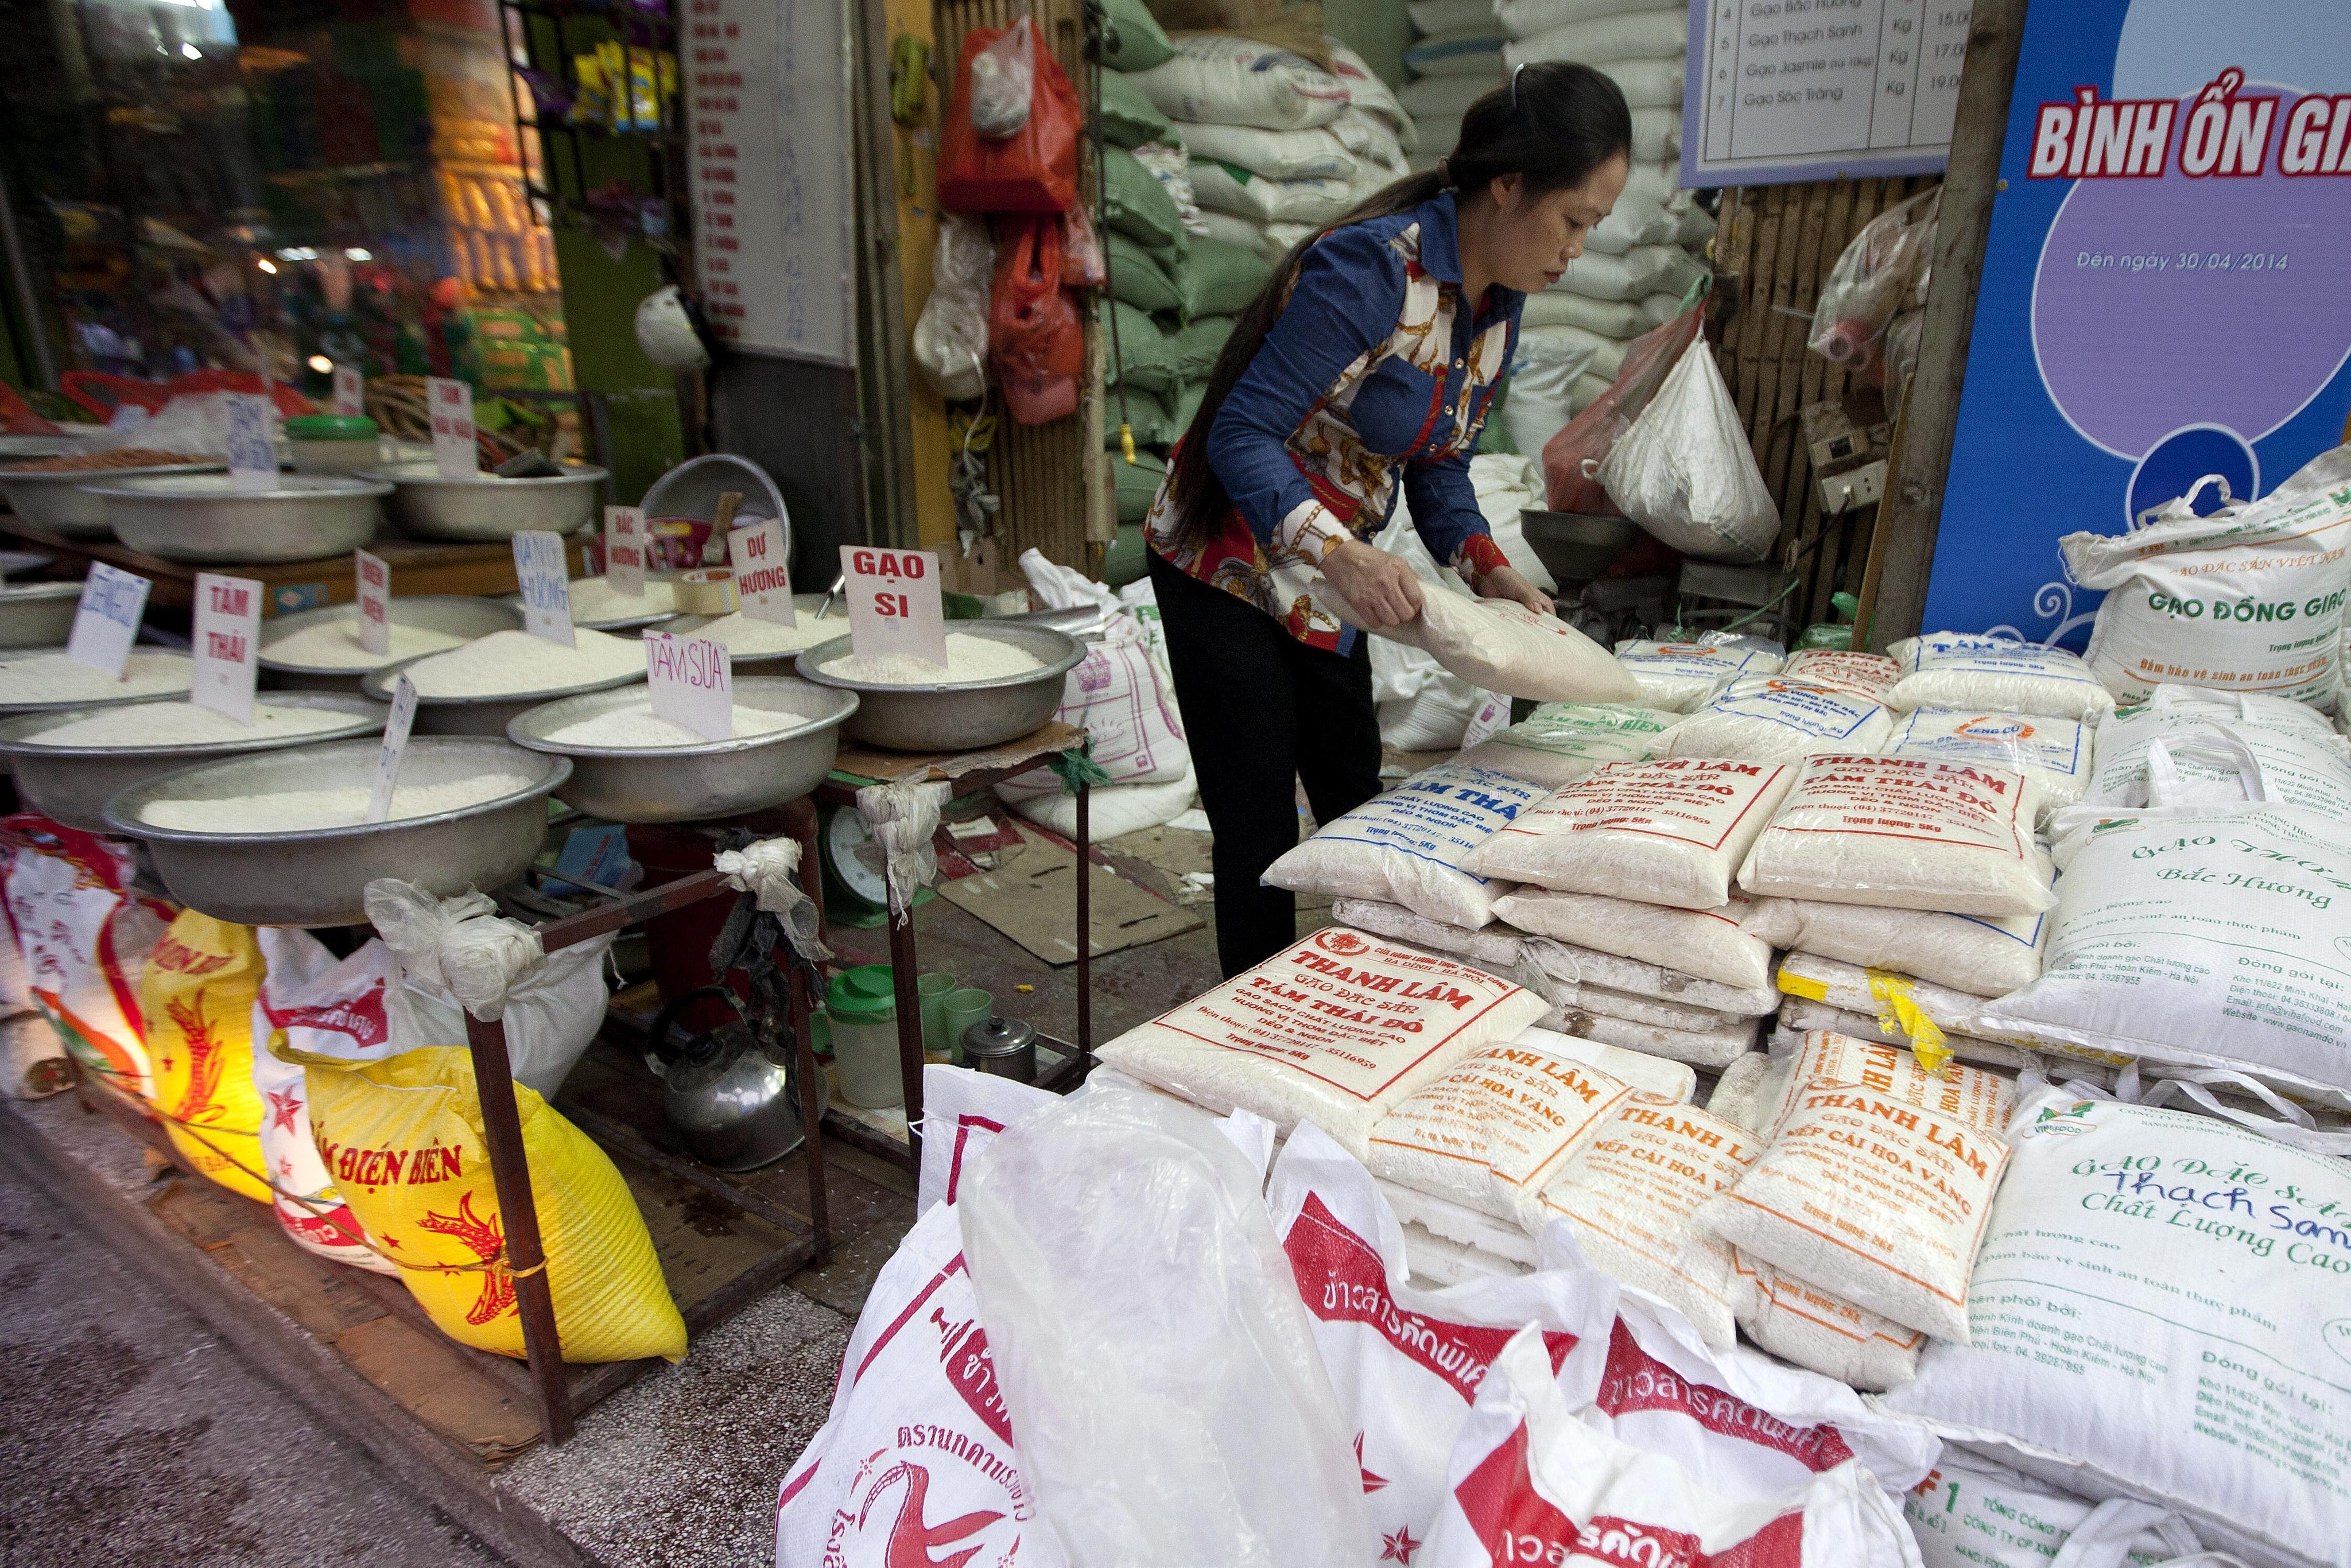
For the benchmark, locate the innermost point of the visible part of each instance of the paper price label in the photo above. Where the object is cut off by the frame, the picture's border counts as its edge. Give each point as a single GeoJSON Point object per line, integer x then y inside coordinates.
{"type": "Point", "coordinates": [350, 390]}
{"type": "Point", "coordinates": [452, 403]}
{"type": "Point", "coordinates": [763, 578]}
{"type": "Point", "coordinates": [373, 581]}
{"type": "Point", "coordinates": [252, 460]}
{"type": "Point", "coordinates": [106, 622]}
{"type": "Point", "coordinates": [893, 603]}
{"type": "Point", "coordinates": [395, 742]}
{"type": "Point", "coordinates": [543, 580]}
{"type": "Point", "coordinates": [624, 550]}
{"type": "Point", "coordinates": [691, 682]}
{"type": "Point", "coordinates": [227, 641]}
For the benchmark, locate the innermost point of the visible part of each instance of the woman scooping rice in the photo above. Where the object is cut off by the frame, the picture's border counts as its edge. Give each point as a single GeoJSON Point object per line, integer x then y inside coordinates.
{"type": "Point", "coordinates": [1362, 372]}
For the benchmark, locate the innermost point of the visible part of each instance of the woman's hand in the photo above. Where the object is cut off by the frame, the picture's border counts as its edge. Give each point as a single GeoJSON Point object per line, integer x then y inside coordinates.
{"type": "Point", "coordinates": [1508, 582]}
{"type": "Point", "coordinates": [1379, 587]}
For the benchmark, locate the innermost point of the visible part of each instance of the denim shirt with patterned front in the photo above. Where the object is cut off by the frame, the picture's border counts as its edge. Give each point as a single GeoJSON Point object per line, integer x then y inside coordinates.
{"type": "Point", "coordinates": [1373, 382]}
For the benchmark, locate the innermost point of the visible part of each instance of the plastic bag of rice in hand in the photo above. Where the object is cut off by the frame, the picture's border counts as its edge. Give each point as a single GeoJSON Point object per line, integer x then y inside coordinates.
{"type": "Point", "coordinates": [1669, 832]}
{"type": "Point", "coordinates": [1501, 645]}
{"type": "Point", "coordinates": [1337, 1029]}
{"type": "Point", "coordinates": [1904, 833]}
{"type": "Point", "coordinates": [2054, 753]}
{"type": "Point", "coordinates": [1561, 742]}
{"type": "Point", "coordinates": [1771, 718]}
{"type": "Point", "coordinates": [1966, 670]}
{"type": "Point", "coordinates": [2157, 1307]}
{"type": "Point", "coordinates": [1407, 846]}
{"type": "Point", "coordinates": [1679, 677]}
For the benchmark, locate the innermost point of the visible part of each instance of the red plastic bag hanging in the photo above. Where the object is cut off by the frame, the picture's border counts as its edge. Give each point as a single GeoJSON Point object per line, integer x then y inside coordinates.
{"type": "Point", "coordinates": [1571, 460]}
{"type": "Point", "coordinates": [1034, 335]}
{"type": "Point", "coordinates": [1035, 170]}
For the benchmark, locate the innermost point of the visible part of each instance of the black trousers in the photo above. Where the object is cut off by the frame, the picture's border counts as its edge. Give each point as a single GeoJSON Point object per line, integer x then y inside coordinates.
{"type": "Point", "coordinates": [1263, 711]}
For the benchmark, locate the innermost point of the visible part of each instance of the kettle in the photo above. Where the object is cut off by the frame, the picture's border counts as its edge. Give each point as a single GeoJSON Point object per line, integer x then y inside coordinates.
{"type": "Point", "coordinates": [732, 1100]}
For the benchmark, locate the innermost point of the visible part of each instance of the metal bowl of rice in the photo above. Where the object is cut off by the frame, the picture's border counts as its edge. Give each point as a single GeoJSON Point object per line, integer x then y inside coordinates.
{"type": "Point", "coordinates": [954, 716]}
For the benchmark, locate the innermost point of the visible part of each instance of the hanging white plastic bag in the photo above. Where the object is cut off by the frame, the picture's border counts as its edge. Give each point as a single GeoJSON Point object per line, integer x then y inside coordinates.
{"type": "Point", "coordinates": [1158, 1366]}
{"type": "Point", "coordinates": [1683, 470]}
{"type": "Point", "coordinates": [950, 337]}
{"type": "Point", "coordinates": [1003, 79]}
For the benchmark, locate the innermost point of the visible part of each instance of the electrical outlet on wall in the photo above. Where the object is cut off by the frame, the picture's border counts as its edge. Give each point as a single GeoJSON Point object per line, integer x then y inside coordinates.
{"type": "Point", "coordinates": [1852, 489]}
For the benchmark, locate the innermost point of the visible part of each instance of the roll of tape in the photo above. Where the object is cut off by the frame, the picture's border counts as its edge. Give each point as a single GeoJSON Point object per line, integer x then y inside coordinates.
{"type": "Point", "coordinates": [708, 591]}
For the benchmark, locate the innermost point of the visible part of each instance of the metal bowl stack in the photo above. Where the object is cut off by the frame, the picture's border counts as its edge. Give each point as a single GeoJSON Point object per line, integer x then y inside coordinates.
{"type": "Point", "coordinates": [454, 614]}
{"type": "Point", "coordinates": [37, 614]}
{"type": "Point", "coordinates": [175, 694]}
{"type": "Point", "coordinates": [318, 876]}
{"type": "Point", "coordinates": [72, 784]}
{"type": "Point", "coordinates": [205, 519]}
{"type": "Point", "coordinates": [949, 715]}
{"type": "Point", "coordinates": [64, 502]}
{"type": "Point", "coordinates": [485, 507]}
{"type": "Point", "coordinates": [705, 779]}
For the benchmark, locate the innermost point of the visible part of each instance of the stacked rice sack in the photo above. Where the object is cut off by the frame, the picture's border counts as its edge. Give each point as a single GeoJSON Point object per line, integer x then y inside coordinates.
{"type": "Point", "coordinates": [1456, 55]}
{"type": "Point", "coordinates": [1639, 265]}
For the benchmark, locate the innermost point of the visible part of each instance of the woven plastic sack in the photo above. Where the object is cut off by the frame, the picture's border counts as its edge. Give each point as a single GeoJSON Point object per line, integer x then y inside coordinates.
{"type": "Point", "coordinates": [1222, 80]}
{"type": "Point", "coordinates": [198, 998]}
{"type": "Point", "coordinates": [1614, 973]}
{"type": "Point", "coordinates": [1137, 276]}
{"type": "Point", "coordinates": [2295, 757]}
{"type": "Point", "coordinates": [1228, 188]}
{"type": "Point", "coordinates": [1708, 1049]}
{"type": "Point", "coordinates": [2156, 1291]}
{"type": "Point", "coordinates": [1682, 678]}
{"type": "Point", "coordinates": [1133, 39]}
{"type": "Point", "coordinates": [1531, 1483]}
{"type": "Point", "coordinates": [1501, 645]}
{"type": "Point", "coordinates": [1146, 353]}
{"type": "Point", "coordinates": [300, 988]}
{"type": "Point", "coordinates": [2249, 598]}
{"type": "Point", "coordinates": [1684, 472]}
{"type": "Point", "coordinates": [1035, 170]}
{"type": "Point", "coordinates": [1707, 943]}
{"type": "Point", "coordinates": [1162, 1290]}
{"type": "Point", "coordinates": [1904, 833]}
{"type": "Point", "coordinates": [1982, 954]}
{"type": "Point", "coordinates": [2054, 753]}
{"type": "Point", "coordinates": [949, 344]}
{"type": "Point", "coordinates": [84, 934]}
{"type": "Point", "coordinates": [916, 1456]}
{"type": "Point", "coordinates": [403, 1140]}
{"type": "Point", "coordinates": [2001, 674]}
{"type": "Point", "coordinates": [1407, 846]}
{"type": "Point", "coordinates": [1870, 675]}
{"type": "Point", "coordinates": [1802, 1322]}
{"type": "Point", "coordinates": [1129, 117]}
{"type": "Point", "coordinates": [1770, 718]}
{"type": "Point", "coordinates": [1971, 1512]}
{"type": "Point", "coordinates": [1314, 153]}
{"type": "Point", "coordinates": [1135, 204]}
{"type": "Point", "coordinates": [1670, 831]}
{"type": "Point", "coordinates": [1219, 279]}
{"type": "Point", "coordinates": [1338, 1029]}
{"type": "Point", "coordinates": [1561, 742]}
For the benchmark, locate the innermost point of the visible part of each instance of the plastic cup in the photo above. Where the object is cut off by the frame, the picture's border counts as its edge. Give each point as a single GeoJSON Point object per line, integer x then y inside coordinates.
{"type": "Point", "coordinates": [931, 991]}
{"type": "Point", "coordinates": [960, 1010]}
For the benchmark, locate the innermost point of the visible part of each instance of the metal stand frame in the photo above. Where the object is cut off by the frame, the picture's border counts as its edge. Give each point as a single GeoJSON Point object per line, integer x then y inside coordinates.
{"type": "Point", "coordinates": [905, 971]}
{"type": "Point", "coordinates": [510, 1168]}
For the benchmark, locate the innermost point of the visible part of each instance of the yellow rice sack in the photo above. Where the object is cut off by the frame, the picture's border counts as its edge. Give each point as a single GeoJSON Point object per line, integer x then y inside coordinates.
{"type": "Point", "coordinates": [197, 996]}
{"type": "Point", "coordinates": [402, 1140]}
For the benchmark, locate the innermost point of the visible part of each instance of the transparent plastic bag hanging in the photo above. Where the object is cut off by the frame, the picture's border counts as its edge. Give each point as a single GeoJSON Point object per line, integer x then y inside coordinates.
{"type": "Point", "coordinates": [1159, 1369]}
{"type": "Point", "coordinates": [1881, 272]}
{"type": "Point", "coordinates": [1685, 472]}
{"type": "Point", "coordinates": [950, 338]}
{"type": "Point", "coordinates": [1003, 82]}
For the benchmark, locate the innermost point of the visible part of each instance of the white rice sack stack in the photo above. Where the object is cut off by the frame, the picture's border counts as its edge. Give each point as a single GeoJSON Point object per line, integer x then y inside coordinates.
{"type": "Point", "coordinates": [2054, 753]}
{"type": "Point", "coordinates": [1587, 965]}
{"type": "Point", "coordinates": [2190, 751]}
{"type": "Point", "coordinates": [1998, 675]}
{"type": "Point", "coordinates": [1709, 1047]}
{"type": "Point", "coordinates": [2200, 939]}
{"type": "Point", "coordinates": [1617, 318]}
{"type": "Point", "coordinates": [1871, 1198]}
{"type": "Point", "coordinates": [1708, 943]}
{"type": "Point", "coordinates": [1631, 1199]}
{"type": "Point", "coordinates": [1907, 834]}
{"type": "Point", "coordinates": [2156, 1308]}
{"type": "Point", "coordinates": [1871, 676]}
{"type": "Point", "coordinates": [1986, 956]}
{"type": "Point", "coordinates": [1407, 846]}
{"type": "Point", "coordinates": [1223, 78]}
{"type": "Point", "coordinates": [1682, 678]}
{"type": "Point", "coordinates": [1916, 1012]}
{"type": "Point", "coordinates": [1771, 718]}
{"type": "Point", "coordinates": [1559, 743]}
{"type": "Point", "coordinates": [1671, 1082]}
{"type": "Point", "coordinates": [1636, 35]}
{"type": "Point", "coordinates": [1492, 1132]}
{"type": "Point", "coordinates": [1339, 1029]}
{"type": "Point", "coordinates": [1495, 949]}
{"type": "Point", "coordinates": [1669, 832]}
{"type": "Point", "coordinates": [1969, 1094]}
{"type": "Point", "coordinates": [1819, 1329]}
{"type": "Point", "coordinates": [1500, 645]}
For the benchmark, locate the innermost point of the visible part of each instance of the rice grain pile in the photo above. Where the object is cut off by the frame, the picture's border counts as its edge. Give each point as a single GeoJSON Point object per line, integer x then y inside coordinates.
{"type": "Point", "coordinates": [746, 636]}
{"type": "Point", "coordinates": [185, 723]}
{"type": "Point", "coordinates": [302, 810]}
{"type": "Point", "coordinates": [969, 658]}
{"type": "Point", "coordinates": [638, 728]}
{"type": "Point", "coordinates": [516, 663]}
{"type": "Point", "coordinates": [335, 645]}
{"type": "Point", "coordinates": [595, 598]}
{"type": "Point", "coordinates": [53, 678]}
